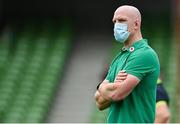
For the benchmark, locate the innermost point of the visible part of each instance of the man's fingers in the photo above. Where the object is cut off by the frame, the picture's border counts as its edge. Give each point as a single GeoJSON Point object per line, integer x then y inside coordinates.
{"type": "Point", "coordinates": [122, 75]}
{"type": "Point", "coordinates": [121, 78]}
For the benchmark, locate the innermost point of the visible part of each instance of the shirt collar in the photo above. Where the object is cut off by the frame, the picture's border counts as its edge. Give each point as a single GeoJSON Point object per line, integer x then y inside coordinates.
{"type": "Point", "coordinates": [135, 45]}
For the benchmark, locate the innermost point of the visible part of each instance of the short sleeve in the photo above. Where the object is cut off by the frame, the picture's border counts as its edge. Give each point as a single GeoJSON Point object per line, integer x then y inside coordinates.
{"type": "Point", "coordinates": [140, 63]}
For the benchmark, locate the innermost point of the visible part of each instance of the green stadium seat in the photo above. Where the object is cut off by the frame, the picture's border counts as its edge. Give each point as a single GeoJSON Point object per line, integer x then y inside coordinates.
{"type": "Point", "coordinates": [30, 69]}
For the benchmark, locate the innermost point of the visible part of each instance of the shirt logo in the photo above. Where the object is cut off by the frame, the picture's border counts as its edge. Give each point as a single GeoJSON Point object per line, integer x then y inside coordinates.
{"type": "Point", "coordinates": [131, 49]}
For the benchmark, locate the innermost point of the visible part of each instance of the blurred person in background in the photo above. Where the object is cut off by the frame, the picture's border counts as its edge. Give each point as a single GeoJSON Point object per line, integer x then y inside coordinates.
{"type": "Point", "coordinates": [162, 102]}
{"type": "Point", "coordinates": [133, 98]}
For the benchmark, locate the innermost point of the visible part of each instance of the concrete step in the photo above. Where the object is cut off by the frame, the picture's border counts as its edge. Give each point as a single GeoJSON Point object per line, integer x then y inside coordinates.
{"type": "Point", "coordinates": [75, 96]}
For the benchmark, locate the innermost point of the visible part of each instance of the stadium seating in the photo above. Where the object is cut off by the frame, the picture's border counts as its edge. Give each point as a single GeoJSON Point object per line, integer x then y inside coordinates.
{"type": "Point", "coordinates": [31, 66]}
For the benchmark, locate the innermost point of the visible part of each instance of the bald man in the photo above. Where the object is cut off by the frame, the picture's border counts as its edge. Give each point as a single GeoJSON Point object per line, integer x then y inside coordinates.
{"type": "Point", "coordinates": [132, 99]}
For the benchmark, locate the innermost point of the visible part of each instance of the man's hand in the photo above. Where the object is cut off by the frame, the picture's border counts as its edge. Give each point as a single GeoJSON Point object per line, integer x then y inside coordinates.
{"type": "Point", "coordinates": [122, 75]}
{"type": "Point", "coordinates": [104, 91]}
{"type": "Point", "coordinates": [101, 102]}
{"type": "Point", "coordinates": [104, 102]}
{"type": "Point", "coordinates": [120, 89]}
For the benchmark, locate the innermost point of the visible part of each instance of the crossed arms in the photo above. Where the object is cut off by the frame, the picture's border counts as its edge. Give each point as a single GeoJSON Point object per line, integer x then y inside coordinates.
{"type": "Point", "coordinates": [110, 92]}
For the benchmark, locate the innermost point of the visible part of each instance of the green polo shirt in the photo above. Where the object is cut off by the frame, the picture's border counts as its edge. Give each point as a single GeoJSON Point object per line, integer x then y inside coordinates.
{"type": "Point", "coordinates": [141, 61]}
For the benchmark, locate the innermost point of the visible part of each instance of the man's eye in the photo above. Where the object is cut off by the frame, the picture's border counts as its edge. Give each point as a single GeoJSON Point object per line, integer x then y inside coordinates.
{"type": "Point", "coordinates": [119, 20]}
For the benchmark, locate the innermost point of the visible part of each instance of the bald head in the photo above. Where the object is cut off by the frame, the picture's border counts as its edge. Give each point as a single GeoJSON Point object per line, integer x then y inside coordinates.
{"type": "Point", "coordinates": [130, 11]}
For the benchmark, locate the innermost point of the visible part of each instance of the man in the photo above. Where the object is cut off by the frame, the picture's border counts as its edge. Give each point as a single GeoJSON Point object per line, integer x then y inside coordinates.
{"type": "Point", "coordinates": [131, 99]}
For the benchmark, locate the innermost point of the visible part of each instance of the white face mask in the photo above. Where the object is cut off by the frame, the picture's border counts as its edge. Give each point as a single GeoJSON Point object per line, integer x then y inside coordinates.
{"type": "Point", "coordinates": [121, 32]}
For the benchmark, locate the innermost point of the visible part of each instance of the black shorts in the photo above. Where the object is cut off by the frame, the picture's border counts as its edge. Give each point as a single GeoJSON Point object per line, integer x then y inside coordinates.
{"type": "Point", "coordinates": [161, 94]}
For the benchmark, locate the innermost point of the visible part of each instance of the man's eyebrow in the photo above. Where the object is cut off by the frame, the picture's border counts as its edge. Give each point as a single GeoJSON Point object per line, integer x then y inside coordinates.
{"type": "Point", "coordinates": [119, 19]}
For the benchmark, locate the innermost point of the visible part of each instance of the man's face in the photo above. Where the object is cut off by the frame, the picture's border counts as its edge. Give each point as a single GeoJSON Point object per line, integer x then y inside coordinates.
{"type": "Point", "coordinates": [121, 16]}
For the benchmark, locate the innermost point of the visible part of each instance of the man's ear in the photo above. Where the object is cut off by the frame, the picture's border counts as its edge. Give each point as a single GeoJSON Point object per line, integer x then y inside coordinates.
{"type": "Point", "coordinates": [136, 24]}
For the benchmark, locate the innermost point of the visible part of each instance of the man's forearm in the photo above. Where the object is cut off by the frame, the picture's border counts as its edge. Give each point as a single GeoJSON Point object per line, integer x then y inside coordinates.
{"type": "Point", "coordinates": [162, 112]}
{"type": "Point", "coordinates": [118, 91]}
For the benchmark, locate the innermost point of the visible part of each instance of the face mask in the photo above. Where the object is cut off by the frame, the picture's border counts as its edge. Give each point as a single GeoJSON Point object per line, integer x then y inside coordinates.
{"type": "Point", "coordinates": [121, 33]}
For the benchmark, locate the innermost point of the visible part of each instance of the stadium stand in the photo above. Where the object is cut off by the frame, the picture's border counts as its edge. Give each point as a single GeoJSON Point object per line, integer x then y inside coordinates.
{"type": "Point", "coordinates": [31, 66]}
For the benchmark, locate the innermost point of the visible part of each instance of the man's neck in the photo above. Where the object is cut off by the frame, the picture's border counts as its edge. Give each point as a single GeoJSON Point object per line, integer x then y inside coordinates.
{"type": "Point", "coordinates": [132, 40]}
